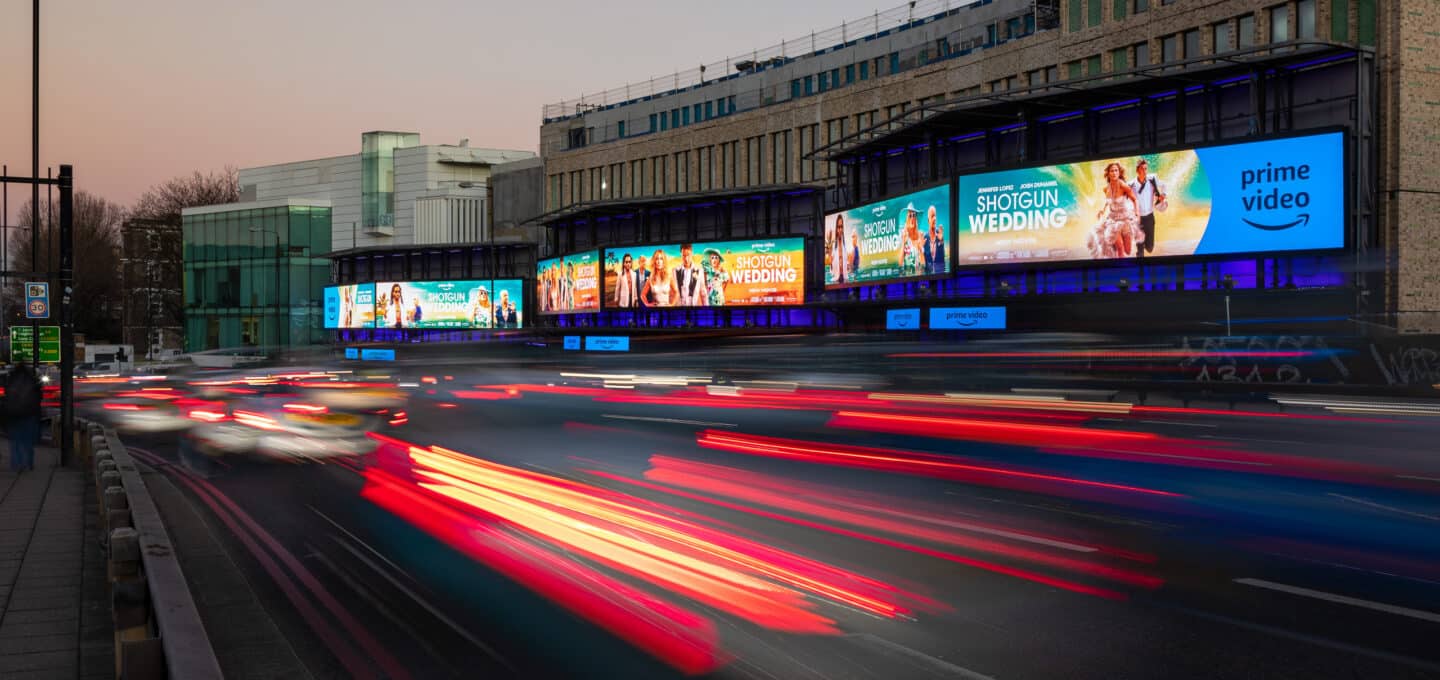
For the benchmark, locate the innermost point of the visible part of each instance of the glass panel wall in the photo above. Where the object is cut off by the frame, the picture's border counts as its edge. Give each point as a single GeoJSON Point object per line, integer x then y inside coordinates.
{"type": "Point", "coordinates": [255, 277]}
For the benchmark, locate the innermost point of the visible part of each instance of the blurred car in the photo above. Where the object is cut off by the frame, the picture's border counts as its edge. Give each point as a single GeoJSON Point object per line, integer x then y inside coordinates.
{"type": "Point", "coordinates": [285, 418]}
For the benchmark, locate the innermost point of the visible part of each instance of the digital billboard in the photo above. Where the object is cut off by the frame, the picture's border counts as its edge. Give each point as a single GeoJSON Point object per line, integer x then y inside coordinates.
{"type": "Point", "coordinates": [568, 284]}
{"type": "Point", "coordinates": [351, 306]}
{"type": "Point", "coordinates": [906, 237]}
{"type": "Point", "coordinates": [450, 304]}
{"type": "Point", "coordinates": [750, 272]}
{"type": "Point", "coordinates": [1271, 195]}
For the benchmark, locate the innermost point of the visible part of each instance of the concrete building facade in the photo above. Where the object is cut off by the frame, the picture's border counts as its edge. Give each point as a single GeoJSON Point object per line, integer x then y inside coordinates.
{"type": "Point", "coordinates": [395, 193]}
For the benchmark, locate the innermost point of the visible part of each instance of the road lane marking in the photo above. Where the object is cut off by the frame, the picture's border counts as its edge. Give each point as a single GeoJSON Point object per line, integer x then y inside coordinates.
{"type": "Point", "coordinates": [1251, 439]}
{"type": "Point", "coordinates": [1382, 655]}
{"type": "Point", "coordinates": [1423, 479]}
{"type": "Point", "coordinates": [936, 662]}
{"type": "Point", "coordinates": [1181, 424]}
{"type": "Point", "coordinates": [677, 421]}
{"type": "Point", "coordinates": [1373, 504]}
{"type": "Point", "coordinates": [424, 604]}
{"type": "Point", "coordinates": [1341, 599]}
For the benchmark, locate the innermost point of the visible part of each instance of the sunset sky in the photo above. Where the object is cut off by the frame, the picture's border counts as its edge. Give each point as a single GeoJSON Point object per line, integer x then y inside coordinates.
{"type": "Point", "coordinates": [139, 91]}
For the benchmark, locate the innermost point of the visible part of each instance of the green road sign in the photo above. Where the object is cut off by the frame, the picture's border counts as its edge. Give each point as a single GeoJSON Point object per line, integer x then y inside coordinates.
{"type": "Point", "coordinates": [22, 344]}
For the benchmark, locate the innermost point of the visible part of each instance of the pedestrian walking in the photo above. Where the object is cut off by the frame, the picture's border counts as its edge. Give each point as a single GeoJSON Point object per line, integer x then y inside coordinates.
{"type": "Point", "coordinates": [22, 416]}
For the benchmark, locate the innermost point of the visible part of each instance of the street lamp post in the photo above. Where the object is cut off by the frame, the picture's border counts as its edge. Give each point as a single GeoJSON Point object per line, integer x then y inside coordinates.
{"type": "Point", "coordinates": [275, 297]}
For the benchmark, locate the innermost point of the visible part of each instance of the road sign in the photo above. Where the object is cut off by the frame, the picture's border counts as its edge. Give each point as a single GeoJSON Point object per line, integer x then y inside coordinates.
{"type": "Point", "coordinates": [37, 300]}
{"type": "Point", "coordinates": [22, 344]}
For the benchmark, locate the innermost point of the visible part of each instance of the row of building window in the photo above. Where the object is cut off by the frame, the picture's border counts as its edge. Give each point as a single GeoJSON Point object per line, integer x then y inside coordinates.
{"type": "Point", "coordinates": [722, 166]}
{"type": "Point", "coordinates": [997, 32]}
{"type": "Point", "coordinates": [687, 115]}
{"type": "Point", "coordinates": [1290, 21]}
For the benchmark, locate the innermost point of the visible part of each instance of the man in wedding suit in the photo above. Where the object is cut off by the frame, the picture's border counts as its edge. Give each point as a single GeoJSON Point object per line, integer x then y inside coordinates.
{"type": "Point", "coordinates": [627, 284]}
{"type": "Point", "coordinates": [690, 277]}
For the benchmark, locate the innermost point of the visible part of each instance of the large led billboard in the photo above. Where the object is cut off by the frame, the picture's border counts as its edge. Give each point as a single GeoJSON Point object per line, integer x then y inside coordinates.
{"type": "Point", "coordinates": [903, 238]}
{"type": "Point", "coordinates": [1271, 195]}
{"type": "Point", "coordinates": [750, 272]}
{"type": "Point", "coordinates": [350, 306]}
{"type": "Point", "coordinates": [450, 304]}
{"type": "Point", "coordinates": [568, 284]}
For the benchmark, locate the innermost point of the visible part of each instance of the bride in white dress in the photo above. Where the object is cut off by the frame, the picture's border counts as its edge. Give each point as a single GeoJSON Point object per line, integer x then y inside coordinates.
{"type": "Point", "coordinates": [661, 290]}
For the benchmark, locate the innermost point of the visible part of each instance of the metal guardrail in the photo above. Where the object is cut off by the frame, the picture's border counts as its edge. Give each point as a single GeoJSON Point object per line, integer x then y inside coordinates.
{"type": "Point", "coordinates": [158, 631]}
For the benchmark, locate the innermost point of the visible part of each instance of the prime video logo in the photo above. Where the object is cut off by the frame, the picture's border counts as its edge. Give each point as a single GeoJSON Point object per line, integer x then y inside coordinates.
{"type": "Point", "coordinates": [1278, 197]}
{"type": "Point", "coordinates": [878, 210]}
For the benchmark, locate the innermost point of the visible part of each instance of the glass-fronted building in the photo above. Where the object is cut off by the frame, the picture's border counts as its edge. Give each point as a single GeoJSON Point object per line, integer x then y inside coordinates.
{"type": "Point", "coordinates": [255, 274]}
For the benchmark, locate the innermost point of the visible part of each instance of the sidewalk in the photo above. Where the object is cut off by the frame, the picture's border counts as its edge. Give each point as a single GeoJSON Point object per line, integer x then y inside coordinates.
{"type": "Point", "coordinates": [54, 610]}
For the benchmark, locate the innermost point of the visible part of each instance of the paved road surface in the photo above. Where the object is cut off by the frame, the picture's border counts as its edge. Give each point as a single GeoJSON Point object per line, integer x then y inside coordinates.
{"type": "Point", "coordinates": [944, 540]}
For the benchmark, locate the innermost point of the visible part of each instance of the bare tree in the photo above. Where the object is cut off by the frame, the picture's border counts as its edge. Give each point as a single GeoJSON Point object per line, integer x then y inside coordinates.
{"type": "Point", "coordinates": [96, 300]}
{"type": "Point", "coordinates": [163, 202]}
{"type": "Point", "coordinates": [153, 251]}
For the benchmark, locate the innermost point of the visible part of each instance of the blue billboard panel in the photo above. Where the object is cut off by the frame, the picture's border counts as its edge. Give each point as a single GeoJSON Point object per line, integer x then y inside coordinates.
{"type": "Point", "coordinates": [902, 319]}
{"type": "Point", "coordinates": [903, 238]}
{"type": "Point", "coordinates": [350, 306]}
{"type": "Point", "coordinates": [572, 342]}
{"type": "Point", "coordinates": [603, 343]}
{"type": "Point", "coordinates": [483, 304]}
{"type": "Point", "coordinates": [967, 318]}
{"type": "Point", "coordinates": [352, 353]}
{"type": "Point", "coordinates": [377, 355]}
{"type": "Point", "coordinates": [1265, 196]}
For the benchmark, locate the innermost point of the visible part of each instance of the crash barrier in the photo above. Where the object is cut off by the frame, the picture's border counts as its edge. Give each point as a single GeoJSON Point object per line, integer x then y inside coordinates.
{"type": "Point", "coordinates": [158, 632]}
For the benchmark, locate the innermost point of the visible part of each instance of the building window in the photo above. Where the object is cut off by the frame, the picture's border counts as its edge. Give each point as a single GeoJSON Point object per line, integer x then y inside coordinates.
{"type": "Point", "coordinates": [674, 118]}
{"type": "Point", "coordinates": [894, 62]}
{"type": "Point", "coordinates": [795, 89]}
{"type": "Point", "coordinates": [709, 110]}
{"type": "Point", "coordinates": [1076, 69]}
{"type": "Point", "coordinates": [732, 171]}
{"type": "Point", "coordinates": [835, 77]}
{"type": "Point", "coordinates": [1120, 59]}
{"type": "Point", "coordinates": [864, 70]}
{"type": "Point", "coordinates": [1169, 49]}
{"type": "Point", "coordinates": [730, 104]}
{"type": "Point", "coordinates": [1340, 20]}
{"type": "Point", "coordinates": [849, 73]}
{"type": "Point", "coordinates": [1093, 66]}
{"type": "Point", "coordinates": [1192, 43]}
{"type": "Point", "coordinates": [1121, 6]}
{"type": "Point", "coordinates": [1142, 54]}
{"type": "Point", "coordinates": [620, 129]}
{"type": "Point", "coordinates": [990, 34]}
{"type": "Point", "coordinates": [698, 110]}
{"type": "Point", "coordinates": [684, 115]}
{"type": "Point", "coordinates": [1365, 22]}
{"type": "Point", "coordinates": [682, 171]}
{"type": "Point", "coordinates": [1052, 74]}
{"type": "Point", "coordinates": [809, 85]}
{"type": "Point", "coordinates": [780, 156]}
{"type": "Point", "coordinates": [1141, 6]}
{"type": "Point", "coordinates": [824, 81]}
{"type": "Point", "coordinates": [1036, 77]}
{"type": "Point", "coordinates": [1305, 19]}
{"type": "Point", "coordinates": [1220, 37]}
{"type": "Point", "coordinates": [1077, 10]}
{"type": "Point", "coordinates": [652, 123]}
{"type": "Point", "coordinates": [1097, 11]}
{"type": "Point", "coordinates": [1279, 23]}
{"type": "Point", "coordinates": [1245, 32]}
